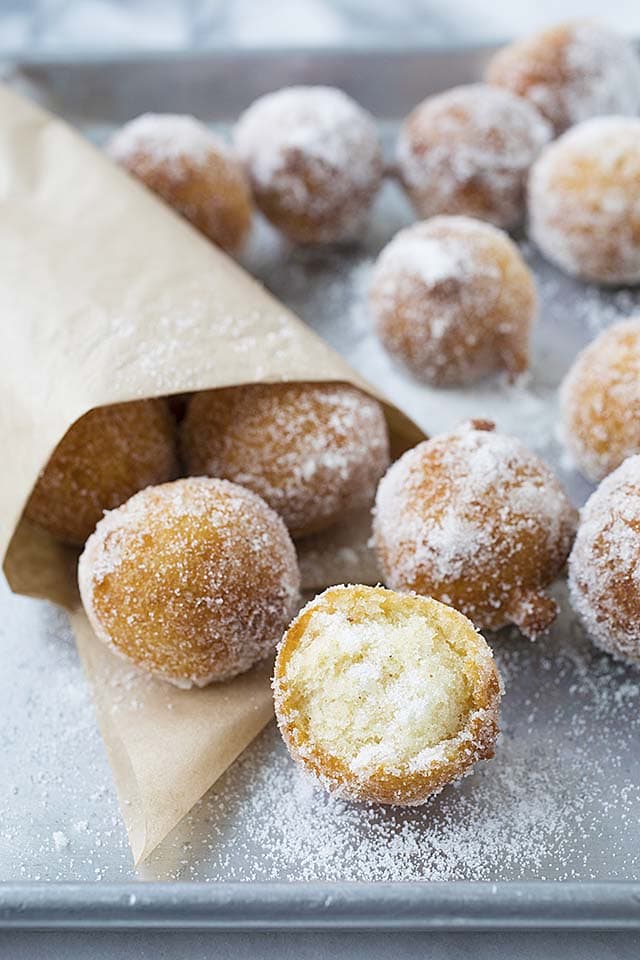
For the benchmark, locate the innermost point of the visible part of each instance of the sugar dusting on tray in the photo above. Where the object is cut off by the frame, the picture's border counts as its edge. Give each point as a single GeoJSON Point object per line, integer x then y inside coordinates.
{"type": "Point", "coordinates": [561, 799]}
{"type": "Point", "coordinates": [554, 804]}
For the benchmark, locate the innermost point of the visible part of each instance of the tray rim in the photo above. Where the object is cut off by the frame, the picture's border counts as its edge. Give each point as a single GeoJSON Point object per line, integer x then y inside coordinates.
{"type": "Point", "coordinates": [297, 905]}
{"type": "Point", "coordinates": [444, 906]}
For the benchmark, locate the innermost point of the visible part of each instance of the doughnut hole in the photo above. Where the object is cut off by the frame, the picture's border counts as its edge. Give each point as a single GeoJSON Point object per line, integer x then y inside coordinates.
{"type": "Point", "coordinates": [385, 697]}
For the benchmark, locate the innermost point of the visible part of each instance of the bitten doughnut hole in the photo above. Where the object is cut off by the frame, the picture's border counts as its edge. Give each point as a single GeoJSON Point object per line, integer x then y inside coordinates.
{"type": "Point", "coordinates": [314, 161]}
{"type": "Point", "coordinates": [468, 151]}
{"type": "Point", "coordinates": [192, 581]}
{"type": "Point", "coordinates": [314, 452]}
{"type": "Point", "coordinates": [385, 697]}
{"type": "Point", "coordinates": [603, 566]}
{"type": "Point", "coordinates": [571, 72]}
{"type": "Point", "coordinates": [583, 201]}
{"type": "Point", "coordinates": [106, 456]}
{"type": "Point", "coordinates": [197, 174]}
{"type": "Point", "coordinates": [600, 401]}
{"type": "Point", "coordinates": [476, 520]}
{"type": "Point", "coordinates": [453, 300]}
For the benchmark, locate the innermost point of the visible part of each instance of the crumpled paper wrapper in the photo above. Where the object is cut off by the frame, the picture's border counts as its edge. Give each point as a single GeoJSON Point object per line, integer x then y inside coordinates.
{"type": "Point", "coordinates": [106, 295]}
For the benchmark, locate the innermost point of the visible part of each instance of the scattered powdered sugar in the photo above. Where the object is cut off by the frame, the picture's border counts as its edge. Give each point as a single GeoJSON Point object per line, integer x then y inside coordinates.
{"type": "Point", "coordinates": [588, 223]}
{"type": "Point", "coordinates": [472, 139]}
{"type": "Point", "coordinates": [604, 567]}
{"type": "Point", "coordinates": [167, 139]}
{"type": "Point", "coordinates": [551, 805]}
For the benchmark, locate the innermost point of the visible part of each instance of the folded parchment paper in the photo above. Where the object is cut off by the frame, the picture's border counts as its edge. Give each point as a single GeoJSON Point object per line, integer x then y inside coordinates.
{"type": "Point", "coordinates": [105, 296]}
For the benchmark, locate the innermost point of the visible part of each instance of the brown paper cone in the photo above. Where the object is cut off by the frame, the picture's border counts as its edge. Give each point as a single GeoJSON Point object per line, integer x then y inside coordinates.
{"type": "Point", "coordinates": [105, 296]}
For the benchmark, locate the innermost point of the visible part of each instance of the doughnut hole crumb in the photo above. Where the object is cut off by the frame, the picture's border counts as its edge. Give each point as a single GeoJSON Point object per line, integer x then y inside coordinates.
{"type": "Point", "coordinates": [476, 520]}
{"type": "Point", "coordinates": [583, 201]}
{"type": "Point", "coordinates": [453, 300]}
{"type": "Point", "coordinates": [106, 456]}
{"type": "Point", "coordinates": [192, 581]}
{"type": "Point", "coordinates": [571, 72]}
{"type": "Point", "coordinates": [603, 567]}
{"type": "Point", "coordinates": [313, 451]}
{"type": "Point", "coordinates": [468, 151]}
{"type": "Point", "coordinates": [314, 161]}
{"type": "Point", "coordinates": [385, 697]}
{"type": "Point", "coordinates": [193, 171]}
{"type": "Point", "coordinates": [600, 401]}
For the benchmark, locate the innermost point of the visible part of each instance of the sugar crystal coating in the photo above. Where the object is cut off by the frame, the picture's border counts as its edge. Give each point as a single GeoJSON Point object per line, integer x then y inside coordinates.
{"type": "Point", "coordinates": [604, 566]}
{"type": "Point", "coordinates": [314, 160]}
{"type": "Point", "coordinates": [314, 452]}
{"type": "Point", "coordinates": [453, 300]}
{"type": "Point", "coordinates": [193, 581]}
{"type": "Point", "coordinates": [600, 401]}
{"type": "Point", "coordinates": [193, 170]}
{"type": "Point", "coordinates": [583, 201]}
{"type": "Point", "coordinates": [106, 456]}
{"type": "Point", "coordinates": [468, 151]}
{"type": "Point", "coordinates": [571, 72]}
{"type": "Point", "coordinates": [476, 520]}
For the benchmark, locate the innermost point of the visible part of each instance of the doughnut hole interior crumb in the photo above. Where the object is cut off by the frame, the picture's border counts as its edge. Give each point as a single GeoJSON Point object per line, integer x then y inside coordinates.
{"type": "Point", "coordinates": [384, 696]}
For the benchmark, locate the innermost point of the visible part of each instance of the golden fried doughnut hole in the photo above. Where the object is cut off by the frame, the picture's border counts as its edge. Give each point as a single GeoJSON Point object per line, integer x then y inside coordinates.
{"type": "Point", "coordinates": [600, 401]}
{"type": "Point", "coordinates": [603, 567]}
{"type": "Point", "coordinates": [314, 161]}
{"type": "Point", "coordinates": [453, 300]}
{"type": "Point", "coordinates": [476, 520]}
{"type": "Point", "coordinates": [583, 201]}
{"type": "Point", "coordinates": [468, 151]}
{"type": "Point", "coordinates": [383, 696]}
{"type": "Point", "coordinates": [313, 451]}
{"type": "Point", "coordinates": [571, 72]}
{"type": "Point", "coordinates": [193, 581]}
{"type": "Point", "coordinates": [106, 456]}
{"type": "Point", "coordinates": [178, 158]}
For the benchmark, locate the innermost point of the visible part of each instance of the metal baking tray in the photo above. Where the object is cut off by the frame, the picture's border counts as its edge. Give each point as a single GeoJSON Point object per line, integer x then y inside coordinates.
{"type": "Point", "coordinates": [546, 835]}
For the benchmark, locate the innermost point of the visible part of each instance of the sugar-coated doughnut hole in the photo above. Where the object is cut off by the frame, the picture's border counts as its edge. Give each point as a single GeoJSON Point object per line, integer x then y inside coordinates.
{"type": "Point", "coordinates": [571, 72]}
{"type": "Point", "coordinates": [313, 451]}
{"type": "Point", "coordinates": [603, 567]}
{"type": "Point", "coordinates": [476, 520]}
{"type": "Point", "coordinates": [193, 170]}
{"type": "Point", "coordinates": [106, 456]}
{"type": "Point", "coordinates": [453, 300]}
{"type": "Point", "coordinates": [192, 581]}
{"type": "Point", "coordinates": [468, 151]}
{"type": "Point", "coordinates": [314, 161]}
{"type": "Point", "coordinates": [583, 201]}
{"type": "Point", "coordinates": [600, 401]}
{"type": "Point", "coordinates": [383, 696]}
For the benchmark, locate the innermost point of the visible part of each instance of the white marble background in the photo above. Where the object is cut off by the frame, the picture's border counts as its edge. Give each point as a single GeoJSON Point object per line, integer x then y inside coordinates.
{"type": "Point", "coordinates": [81, 26]}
